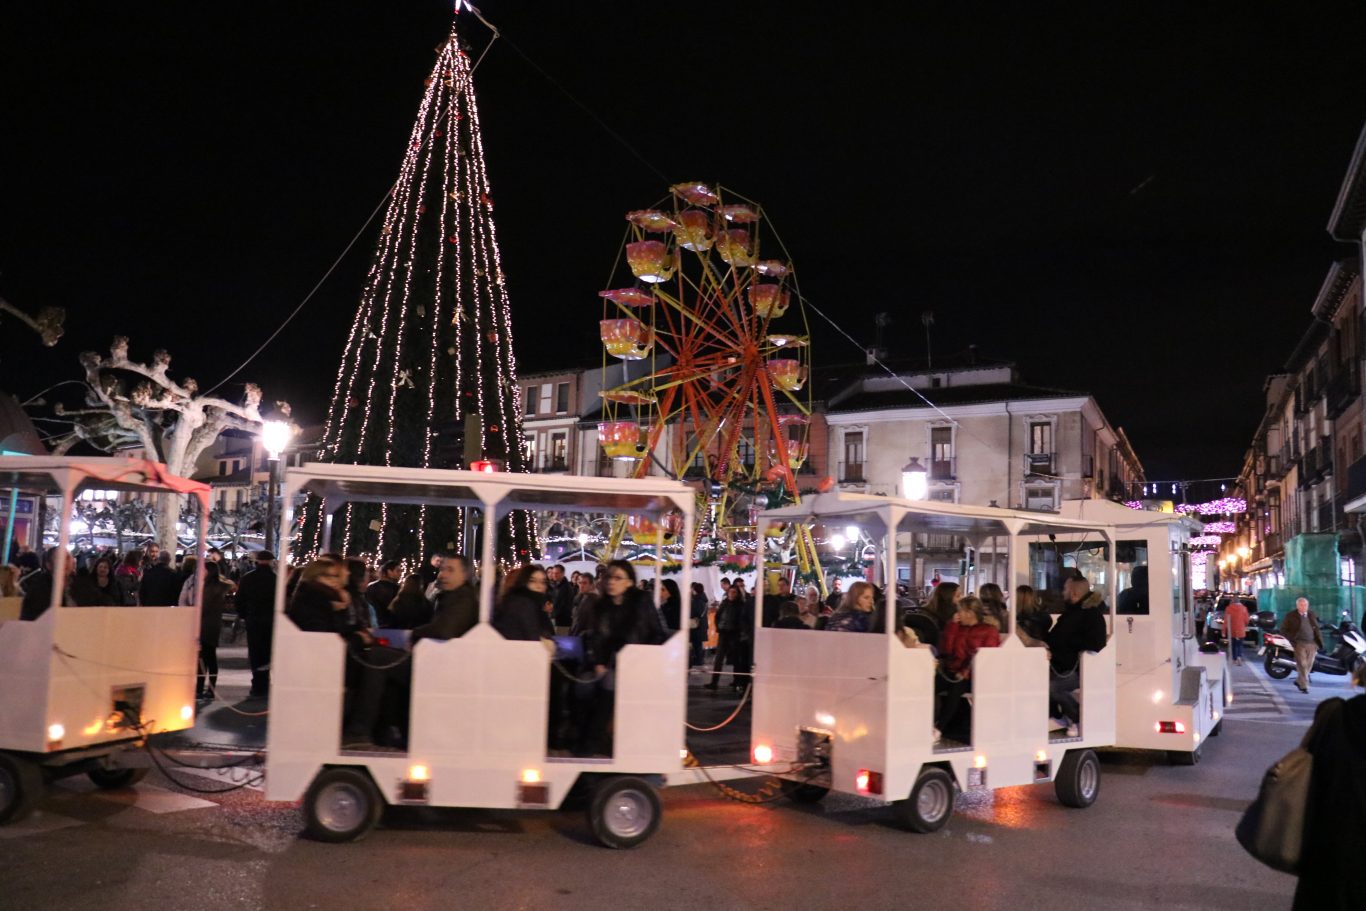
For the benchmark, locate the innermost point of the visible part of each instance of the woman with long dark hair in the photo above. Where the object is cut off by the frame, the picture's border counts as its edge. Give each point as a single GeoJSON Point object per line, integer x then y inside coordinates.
{"type": "Point", "coordinates": [216, 591]}
{"type": "Point", "coordinates": [623, 616]}
{"type": "Point", "coordinates": [697, 635]}
{"type": "Point", "coordinates": [671, 608]}
{"type": "Point", "coordinates": [521, 612]}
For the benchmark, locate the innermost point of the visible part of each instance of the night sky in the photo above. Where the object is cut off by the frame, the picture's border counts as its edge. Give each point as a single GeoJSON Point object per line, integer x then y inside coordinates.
{"type": "Point", "coordinates": [1127, 199]}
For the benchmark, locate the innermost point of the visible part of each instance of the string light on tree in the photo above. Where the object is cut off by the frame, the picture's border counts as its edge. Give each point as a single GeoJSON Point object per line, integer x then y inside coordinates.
{"type": "Point", "coordinates": [431, 341]}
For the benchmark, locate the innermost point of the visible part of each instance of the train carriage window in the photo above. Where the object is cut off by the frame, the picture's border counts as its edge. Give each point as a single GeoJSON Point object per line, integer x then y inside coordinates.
{"type": "Point", "coordinates": [1050, 562]}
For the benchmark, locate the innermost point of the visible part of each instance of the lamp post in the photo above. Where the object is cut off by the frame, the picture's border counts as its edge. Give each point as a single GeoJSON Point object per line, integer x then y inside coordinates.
{"type": "Point", "coordinates": [583, 544]}
{"type": "Point", "coordinates": [275, 437]}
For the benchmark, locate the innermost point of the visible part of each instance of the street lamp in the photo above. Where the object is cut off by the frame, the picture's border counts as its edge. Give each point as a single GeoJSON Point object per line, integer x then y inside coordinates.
{"type": "Point", "coordinates": [583, 544]}
{"type": "Point", "coordinates": [914, 480]}
{"type": "Point", "coordinates": [275, 436]}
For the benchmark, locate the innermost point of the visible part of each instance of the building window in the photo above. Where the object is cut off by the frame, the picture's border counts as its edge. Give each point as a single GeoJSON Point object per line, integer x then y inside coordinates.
{"type": "Point", "coordinates": [941, 453]}
{"type": "Point", "coordinates": [544, 406]}
{"type": "Point", "coordinates": [1041, 437]}
{"type": "Point", "coordinates": [559, 451]}
{"type": "Point", "coordinates": [222, 469]}
{"type": "Point", "coordinates": [236, 465]}
{"type": "Point", "coordinates": [562, 398]}
{"type": "Point", "coordinates": [853, 456]}
{"type": "Point", "coordinates": [530, 400]}
{"type": "Point", "coordinates": [1041, 496]}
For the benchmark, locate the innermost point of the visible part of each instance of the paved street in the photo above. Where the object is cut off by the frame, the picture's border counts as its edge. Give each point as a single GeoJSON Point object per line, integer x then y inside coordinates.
{"type": "Point", "coordinates": [1159, 836]}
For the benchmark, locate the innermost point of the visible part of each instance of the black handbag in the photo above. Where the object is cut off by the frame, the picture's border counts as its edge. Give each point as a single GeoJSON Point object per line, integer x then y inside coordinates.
{"type": "Point", "coordinates": [1272, 827]}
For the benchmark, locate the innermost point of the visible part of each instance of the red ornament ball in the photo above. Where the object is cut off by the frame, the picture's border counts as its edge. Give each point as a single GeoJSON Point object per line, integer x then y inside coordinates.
{"type": "Point", "coordinates": [493, 428]}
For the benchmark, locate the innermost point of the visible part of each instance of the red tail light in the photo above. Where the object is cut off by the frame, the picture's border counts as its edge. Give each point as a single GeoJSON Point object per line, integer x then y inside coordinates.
{"type": "Point", "coordinates": [867, 782]}
{"type": "Point", "coordinates": [1170, 727]}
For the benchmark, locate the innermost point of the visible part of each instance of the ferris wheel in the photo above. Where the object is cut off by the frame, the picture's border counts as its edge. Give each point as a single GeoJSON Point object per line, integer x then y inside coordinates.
{"type": "Point", "coordinates": [711, 311]}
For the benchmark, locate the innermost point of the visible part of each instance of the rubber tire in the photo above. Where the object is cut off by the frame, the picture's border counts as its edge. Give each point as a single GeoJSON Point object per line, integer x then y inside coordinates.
{"type": "Point", "coordinates": [1184, 757]}
{"type": "Point", "coordinates": [1077, 782]}
{"type": "Point", "coordinates": [1275, 672]}
{"type": "Point", "coordinates": [341, 784]}
{"type": "Point", "coordinates": [801, 792]}
{"type": "Point", "coordinates": [21, 785]}
{"type": "Point", "coordinates": [113, 779]}
{"type": "Point", "coordinates": [610, 797]}
{"type": "Point", "coordinates": [932, 779]}
{"type": "Point", "coordinates": [1217, 729]}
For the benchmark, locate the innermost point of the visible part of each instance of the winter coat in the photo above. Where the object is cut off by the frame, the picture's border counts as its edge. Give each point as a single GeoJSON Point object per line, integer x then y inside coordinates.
{"type": "Point", "coordinates": [160, 586]}
{"type": "Point", "coordinates": [1032, 628]}
{"type": "Point", "coordinates": [1079, 628]}
{"type": "Point", "coordinates": [456, 613]}
{"type": "Point", "coordinates": [562, 596]}
{"type": "Point", "coordinates": [127, 579]}
{"type": "Point", "coordinates": [379, 595]}
{"type": "Point", "coordinates": [1335, 824]}
{"type": "Point", "coordinates": [1235, 619]}
{"type": "Point", "coordinates": [608, 627]}
{"type": "Point", "coordinates": [522, 617]}
{"type": "Point", "coordinates": [256, 594]}
{"type": "Point", "coordinates": [958, 643]}
{"type": "Point", "coordinates": [211, 610]}
{"type": "Point", "coordinates": [850, 620]}
{"type": "Point", "coordinates": [1290, 627]}
{"type": "Point", "coordinates": [86, 592]}
{"type": "Point", "coordinates": [312, 611]}
{"type": "Point", "coordinates": [409, 610]}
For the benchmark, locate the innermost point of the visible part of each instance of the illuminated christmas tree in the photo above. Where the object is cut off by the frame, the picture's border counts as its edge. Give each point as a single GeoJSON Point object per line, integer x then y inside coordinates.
{"type": "Point", "coordinates": [431, 344]}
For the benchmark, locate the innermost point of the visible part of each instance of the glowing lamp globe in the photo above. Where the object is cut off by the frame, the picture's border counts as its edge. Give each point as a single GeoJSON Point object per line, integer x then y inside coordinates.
{"type": "Point", "coordinates": [914, 481]}
{"type": "Point", "coordinates": [275, 437]}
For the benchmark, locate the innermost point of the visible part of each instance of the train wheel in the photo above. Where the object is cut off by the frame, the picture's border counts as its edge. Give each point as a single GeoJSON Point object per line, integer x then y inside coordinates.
{"type": "Point", "coordinates": [1184, 757]}
{"type": "Point", "coordinates": [1078, 780]}
{"type": "Point", "coordinates": [800, 792]}
{"type": "Point", "coordinates": [21, 784]}
{"type": "Point", "coordinates": [113, 779]}
{"type": "Point", "coordinates": [930, 804]}
{"type": "Point", "coordinates": [624, 812]}
{"type": "Point", "coordinates": [341, 805]}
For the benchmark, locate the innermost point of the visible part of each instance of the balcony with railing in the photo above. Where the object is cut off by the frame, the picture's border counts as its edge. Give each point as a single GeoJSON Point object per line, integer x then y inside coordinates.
{"type": "Point", "coordinates": [546, 462]}
{"type": "Point", "coordinates": [1271, 545]}
{"type": "Point", "coordinates": [851, 472]}
{"type": "Point", "coordinates": [1327, 517]}
{"type": "Point", "coordinates": [1310, 472]}
{"type": "Point", "coordinates": [944, 469]}
{"type": "Point", "coordinates": [1038, 463]}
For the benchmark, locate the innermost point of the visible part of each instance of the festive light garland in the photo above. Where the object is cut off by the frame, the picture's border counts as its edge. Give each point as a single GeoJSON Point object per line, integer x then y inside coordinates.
{"type": "Point", "coordinates": [434, 323]}
{"type": "Point", "coordinates": [1220, 528]}
{"type": "Point", "coordinates": [1224, 506]}
{"type": "Point", "coordinates": [1206, 540]}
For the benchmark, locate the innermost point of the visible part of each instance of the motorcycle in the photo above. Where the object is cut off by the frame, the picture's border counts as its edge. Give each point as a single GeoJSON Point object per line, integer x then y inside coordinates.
{"type": "Point", "coordinates": [1346, 658]}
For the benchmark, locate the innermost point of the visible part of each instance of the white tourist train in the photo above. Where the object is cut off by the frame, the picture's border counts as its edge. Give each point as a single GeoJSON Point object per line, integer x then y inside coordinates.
{"type": "Point", "coordinates": [855, 713]}
{"type": "Point", "coordinates": [80, 687]}
{"type": "Point", "coordinates": [479, 707]}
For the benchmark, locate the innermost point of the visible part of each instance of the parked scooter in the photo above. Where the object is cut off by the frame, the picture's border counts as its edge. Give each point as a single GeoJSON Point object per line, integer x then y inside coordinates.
{"type": "Point", "coordinates": [1349, 654]}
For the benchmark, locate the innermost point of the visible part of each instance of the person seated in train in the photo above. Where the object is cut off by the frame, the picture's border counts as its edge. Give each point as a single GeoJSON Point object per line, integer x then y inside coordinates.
{"type": "Point", "coordinates": [520, 613]}
{"type": "Point", "coordinates": [38, 586]}
{"type": "Point", "coordinates": [973, 627]}
{"type": "Point", "coordinates": [942, 605]}
{"type": "Point", "coordinates": [789, 616]}
{"type": "Point", "coordinates": [995, 601]}
{"type": "Point", "coordinates": [809, 607]}
{"type": "Point", "coordinates": [1079, 628]}
{"type": "Point", "coordinates": [456, 609]}
{"type": "Point", "coordinates": [96, 587]}
{"type": "Point", "coordinates": [1031, 620]}
{"type": "Point", "coordinates": [855, 613]}
{"type": "Point", "coordinates": [320, 604]}
{"type": "Point", "coordinates": [410, 608]}
{"type": "Point", "coordinates": [1134, 599]}
{"type": "Point", "coordinates": [623, 616]}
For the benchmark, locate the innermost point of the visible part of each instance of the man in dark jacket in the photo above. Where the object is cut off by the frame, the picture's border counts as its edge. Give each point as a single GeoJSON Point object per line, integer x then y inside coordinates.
{"type": "Point", "coordinates": [561, 594]}
{"type": "Point", "coordinates": [381, 593]}
{"type": "Point", "coordinates": [1134, 599]}
{"type": "Point", "coordinates": [1301, 627]}
{"type": "Point", "coordinates": [38, 586]}
{"type": "Point", "coordinates": [1079, 628]}
{"type": "Point", "coordinates": [457, 603]}
{"type": "Point", "coordinates": [160, 585]}
{"type": "Point", "coordinates": [256, 608]}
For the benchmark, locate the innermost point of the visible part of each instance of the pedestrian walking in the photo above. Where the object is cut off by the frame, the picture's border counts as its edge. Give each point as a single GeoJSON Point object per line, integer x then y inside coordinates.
{"type": "Point", "coordinates": [256, 609]}
{"type": "Point", "coordinates": [211, 605]}
{"type": "Point", "coordinates": [1301, 627]}
{"type": "Point", "coordinates": [1235, 625]}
